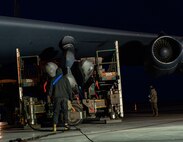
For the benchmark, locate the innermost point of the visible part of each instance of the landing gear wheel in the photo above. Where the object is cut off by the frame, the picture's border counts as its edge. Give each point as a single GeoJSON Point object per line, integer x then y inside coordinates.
{"type": "Point", "coordinates": [75, 115]}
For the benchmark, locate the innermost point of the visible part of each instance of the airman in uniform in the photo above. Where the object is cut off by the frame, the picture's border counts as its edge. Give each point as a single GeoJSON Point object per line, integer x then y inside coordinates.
{"type": "Point", "coordinates": [153, 100]}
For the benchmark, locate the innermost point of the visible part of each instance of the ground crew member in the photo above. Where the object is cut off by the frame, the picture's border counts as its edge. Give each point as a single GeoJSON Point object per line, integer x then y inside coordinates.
{"type": "Point", "coordinates": [60, 91]}
{"type": "Point", "coordinates": [153, 100]}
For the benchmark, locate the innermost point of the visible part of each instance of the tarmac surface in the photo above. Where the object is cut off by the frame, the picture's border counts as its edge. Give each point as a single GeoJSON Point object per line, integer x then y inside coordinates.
{"type": "Point", "coordinates": [136, 127]}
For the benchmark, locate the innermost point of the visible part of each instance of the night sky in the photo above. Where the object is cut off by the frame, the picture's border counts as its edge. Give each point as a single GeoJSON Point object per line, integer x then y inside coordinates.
{"type": "Point", "coordinates": [134, 15]}
{"type": "Point", "coordinates": [153, 16]}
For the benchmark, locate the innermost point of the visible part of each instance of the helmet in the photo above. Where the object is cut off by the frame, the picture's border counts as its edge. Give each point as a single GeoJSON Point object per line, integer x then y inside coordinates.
{"type": "Point", "coordinates": [51, 69]}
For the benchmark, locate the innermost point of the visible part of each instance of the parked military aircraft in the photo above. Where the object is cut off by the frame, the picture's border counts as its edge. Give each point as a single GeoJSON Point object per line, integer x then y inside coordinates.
{"type": "Point", "coordinates": [159, 53]}
{"type": "Point", "coordinates": [32, 37]}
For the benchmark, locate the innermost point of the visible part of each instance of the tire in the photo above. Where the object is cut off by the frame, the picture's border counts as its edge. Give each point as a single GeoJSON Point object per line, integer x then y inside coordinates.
{"type": "Point", "coordinates": [71, 118]}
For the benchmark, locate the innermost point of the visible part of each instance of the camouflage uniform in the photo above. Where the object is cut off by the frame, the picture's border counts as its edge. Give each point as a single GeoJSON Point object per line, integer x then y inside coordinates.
{"type": "Point", "coordinates": [153, 100]}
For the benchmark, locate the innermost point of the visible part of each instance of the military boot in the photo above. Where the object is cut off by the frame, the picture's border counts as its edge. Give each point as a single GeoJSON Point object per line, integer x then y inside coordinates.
{"type": "Point", "coordinates": [54, 127]}
{"type": "Point", "coordinates": [156, 114]}
{"type": "Point", "coordinates": [66, 126]}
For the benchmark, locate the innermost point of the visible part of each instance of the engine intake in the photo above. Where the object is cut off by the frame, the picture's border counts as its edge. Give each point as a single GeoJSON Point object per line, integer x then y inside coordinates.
{"type": "Point", "coordinates": [166, 53]}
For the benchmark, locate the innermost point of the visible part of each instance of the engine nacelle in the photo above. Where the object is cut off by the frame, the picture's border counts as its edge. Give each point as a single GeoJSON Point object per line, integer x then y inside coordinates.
{"type": "Point", "coordinates": [166, 55]}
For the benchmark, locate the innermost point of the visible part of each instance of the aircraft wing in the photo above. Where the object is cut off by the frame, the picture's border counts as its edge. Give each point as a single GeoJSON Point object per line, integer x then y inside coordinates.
{"type": "Point", "coordinates": [32, 37]}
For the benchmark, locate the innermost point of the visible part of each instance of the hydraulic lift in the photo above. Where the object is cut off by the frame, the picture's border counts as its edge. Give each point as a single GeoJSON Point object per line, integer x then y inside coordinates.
{"type": "Point", "coordinates": [101, 100]}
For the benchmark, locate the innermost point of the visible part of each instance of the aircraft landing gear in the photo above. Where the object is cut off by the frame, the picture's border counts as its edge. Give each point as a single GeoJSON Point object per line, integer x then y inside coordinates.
{"type": "Point", "coordinates": [75, 115]}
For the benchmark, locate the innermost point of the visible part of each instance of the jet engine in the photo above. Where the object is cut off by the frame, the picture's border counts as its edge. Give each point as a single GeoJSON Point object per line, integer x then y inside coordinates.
{"type": "Point", "coordinates": [166, 55]}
